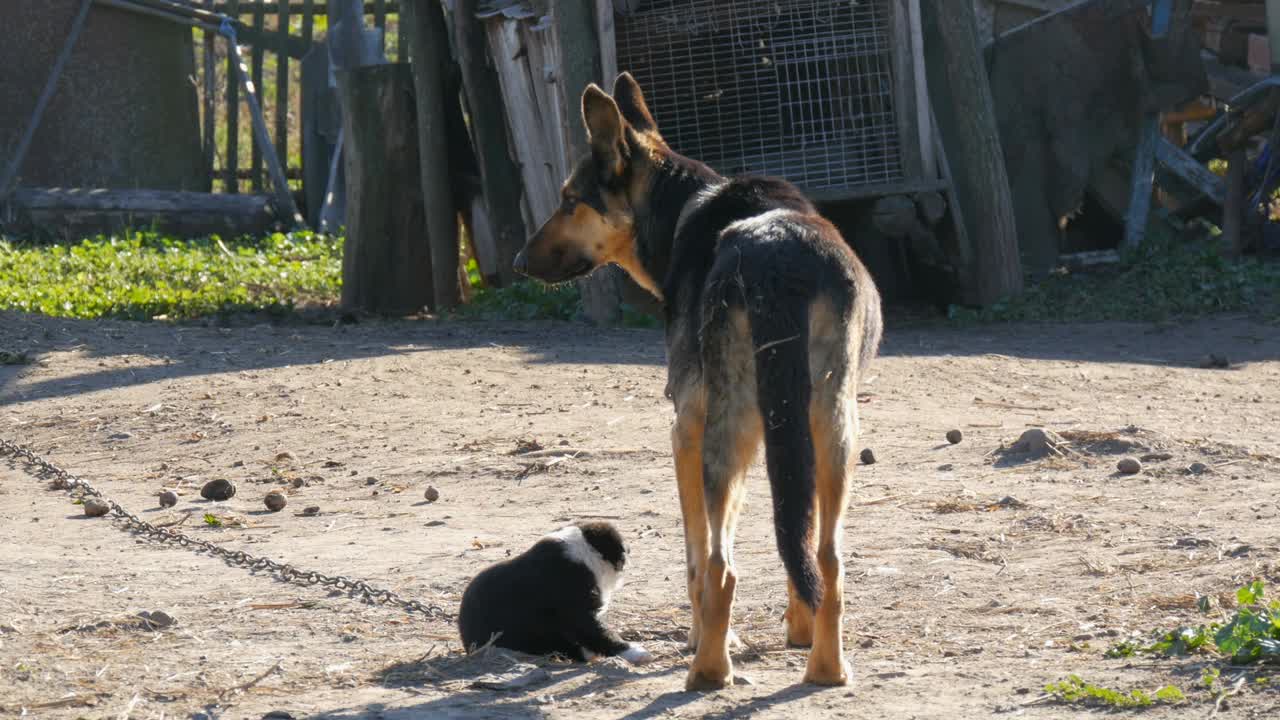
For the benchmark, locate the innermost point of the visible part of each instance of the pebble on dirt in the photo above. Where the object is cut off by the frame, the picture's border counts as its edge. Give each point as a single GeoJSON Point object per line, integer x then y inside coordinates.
{"type": "Point", "coordinates": [218, 490]}
{"type": "Point", "coordinates": [168, 499]}
{"type": "Point", "coordinates": [954, 436]}
{"type": "Point", "coordinates": [1129, 466]}
{"type": "Point", "coordinates": [312, 510]}
{"type": "Point", "coordinates": [1197, 468]}
{"type": "Point", "coordinates": [431, 494]}
{"type": "Point", "coordinates": [275, 501]}
{"type": "Point", "coordinates": [93, 507]}
{"type": "Point", "coordinates": [868, 457]}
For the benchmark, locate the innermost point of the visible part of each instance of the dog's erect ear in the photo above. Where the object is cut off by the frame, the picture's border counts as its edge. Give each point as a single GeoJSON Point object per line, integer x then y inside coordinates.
{"type": "Point", "coordinates": [603, 121]}
{"type": "Point", "coordinates": [626, 92]}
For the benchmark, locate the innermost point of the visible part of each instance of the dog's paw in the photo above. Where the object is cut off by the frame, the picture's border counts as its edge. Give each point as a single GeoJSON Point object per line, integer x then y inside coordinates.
{"type": "Point", "coordinates": [636, 655]}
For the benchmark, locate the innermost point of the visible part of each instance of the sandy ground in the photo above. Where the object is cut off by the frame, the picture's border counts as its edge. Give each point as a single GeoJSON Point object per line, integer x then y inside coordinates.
{"type": "Point", "coordinates": [974, 577]}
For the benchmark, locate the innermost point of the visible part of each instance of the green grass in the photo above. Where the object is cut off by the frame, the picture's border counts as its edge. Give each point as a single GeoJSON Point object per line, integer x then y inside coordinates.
{"type": "Point", "coordinates": [142, 276]}
{"type": "Point", "coordinates": [1169, 279]}
{"type": "Point", "coordinates": [1251, 635]}
{"type": "Point", "coordinates": [1075, 690]}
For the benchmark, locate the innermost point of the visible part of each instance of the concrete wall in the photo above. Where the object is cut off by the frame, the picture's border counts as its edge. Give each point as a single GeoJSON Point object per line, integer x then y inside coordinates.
{"type": "Point", "coordinates": [125, 112]}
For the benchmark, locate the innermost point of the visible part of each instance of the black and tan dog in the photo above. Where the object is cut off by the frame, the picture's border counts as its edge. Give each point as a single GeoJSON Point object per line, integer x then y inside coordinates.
{"type": "Point", "coordinates": [770, 319]}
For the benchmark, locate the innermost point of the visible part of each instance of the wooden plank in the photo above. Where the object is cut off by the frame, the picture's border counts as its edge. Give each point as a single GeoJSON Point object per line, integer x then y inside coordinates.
{"type": "Point", "coordinates": [284, 198]}
{"type": "Point", "coordinates": [920, 84]}
{"type": "Point", "coordinates": [258, 56]}
{"type": "Point", "coordinates": [282, 89]}
{"type": "Point", "coordinates": [308, 21]}
{"type": "Point", "coordinates": [905, 95]}
{"type": "Point", "coordinates": [530, 145]}
{"type": "Point", "coordinates": [380, 14]}
{"type": "Point", "coordinates": [1190, 170]}
{"type": "Point", "coordinates": [1135, 224]}
{"type": "Point", "coordinates": [499, 174]}
{"type": "Point", "coordinates": [231, 161]}
{"type": "Point", "coordinates": [607, 35]}
{"type": "Point", "coordinates": [10, 177]}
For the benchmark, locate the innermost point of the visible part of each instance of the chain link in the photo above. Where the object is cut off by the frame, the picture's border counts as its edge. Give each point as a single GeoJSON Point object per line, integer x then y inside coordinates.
{"type": "Point", "coordinates": [362, 590]}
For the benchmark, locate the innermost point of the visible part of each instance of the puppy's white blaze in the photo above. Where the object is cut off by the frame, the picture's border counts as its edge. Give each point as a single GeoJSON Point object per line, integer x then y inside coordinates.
{"type": "Point", "coordinates": [579, 550]}
{"type": "Point", "coordinates": [637, 655]}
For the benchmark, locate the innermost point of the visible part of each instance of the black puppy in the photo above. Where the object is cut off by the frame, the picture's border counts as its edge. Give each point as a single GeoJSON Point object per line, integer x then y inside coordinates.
{"type": "Point", "coordinates": [549, 599]}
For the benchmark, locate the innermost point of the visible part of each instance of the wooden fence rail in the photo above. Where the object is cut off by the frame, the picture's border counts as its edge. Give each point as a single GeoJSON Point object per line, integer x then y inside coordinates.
{"type": "Point", "coordinates": [278, 35]}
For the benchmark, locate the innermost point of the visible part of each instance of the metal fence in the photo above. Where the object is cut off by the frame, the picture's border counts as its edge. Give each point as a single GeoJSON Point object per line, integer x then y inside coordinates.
{"type": "Point", "coordinates": [800, 90]}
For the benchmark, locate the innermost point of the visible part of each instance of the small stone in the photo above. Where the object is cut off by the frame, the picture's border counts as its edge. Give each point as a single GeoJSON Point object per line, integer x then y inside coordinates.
{"type": "Point", "coordinates": [217, 490]}
{"type": "Point", "coordinates": [954, 436]}
{"type": "Point", "coordinates": [431, 494]}
{"type": "Point", "coordinates": [275, 501]}
{"type": "Point", "coordinates": [277, 715]}
{"type": "Point", "coordinates": [311, 510]}
{"type": "Point", "coordinates": [156, 619]}
{"type": "Point", "coordinates": [1129, 466]}
{"type": "Point", "coordinates": [168, 499]}
{"type": "Point", "coordinates": [285, 456]}
{"type": "Point", "coordinates": [297, 482]}
{"type": "Point", "coordinates": [1197, 468]}
{"type": "Point", "coordinates": [95, 507]}
{"type": "Point", "coordinates": [371, 481]}
{"type": "Point", "coordinates": [1214, 360]}
{"type": "Point", "coordinates": [868, 457]}
{"type": "Point", "coordinates": [435, 523]}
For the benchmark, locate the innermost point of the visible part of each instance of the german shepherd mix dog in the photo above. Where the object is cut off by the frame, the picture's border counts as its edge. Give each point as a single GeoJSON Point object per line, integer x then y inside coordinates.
{"type": "Point", "coordinates": [550, 598]}
{"type": "Point", "coordinates": [770, 319]}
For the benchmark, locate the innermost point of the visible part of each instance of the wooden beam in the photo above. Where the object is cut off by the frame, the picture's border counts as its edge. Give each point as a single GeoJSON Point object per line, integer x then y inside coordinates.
{"type": "Point", "coordinates": [1190, 170]}
{"type": "Point", "coordinates": [85, 210]}
{"type": "Point", "coordinates": [1144, 169]}
{"type": "Point", "coordinates": [429, 58]}
{"type": "Point", "coordinates": [1234, 205]}
{"type": "Point", "coordinates": [284, 198]}
{"type": "Point", "coordinates": [231, 161]}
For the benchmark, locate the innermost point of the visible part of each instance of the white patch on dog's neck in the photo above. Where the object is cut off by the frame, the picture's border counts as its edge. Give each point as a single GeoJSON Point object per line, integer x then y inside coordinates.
{"type": "Point", "coordinates": [700, 198]}
{"type": "Point", "coordinates": [578, 549]}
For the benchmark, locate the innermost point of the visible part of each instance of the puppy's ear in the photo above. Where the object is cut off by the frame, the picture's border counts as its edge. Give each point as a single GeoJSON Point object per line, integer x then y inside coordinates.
{"type": "Point", "coordinates": [630, 100]}
{"type": "Point", "coordinates": [605, 133]}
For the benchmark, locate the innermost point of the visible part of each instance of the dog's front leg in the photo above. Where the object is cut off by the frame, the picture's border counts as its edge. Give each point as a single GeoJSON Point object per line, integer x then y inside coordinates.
{"type": "Point", "coordinates": [593, 640]}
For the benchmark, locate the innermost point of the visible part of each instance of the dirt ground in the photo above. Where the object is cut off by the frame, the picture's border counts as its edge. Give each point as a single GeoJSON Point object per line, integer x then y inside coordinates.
{"type": "Point", "coordinates": [974, 577]}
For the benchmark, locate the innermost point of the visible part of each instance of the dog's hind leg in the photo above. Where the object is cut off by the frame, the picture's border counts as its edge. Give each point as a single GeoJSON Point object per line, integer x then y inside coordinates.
{"type": "Point", "coordinates": [730, 441]}
{"type": "Point", "coordinates": [686, 444]}
{"type": "Point", "coordinates": [833, 423]}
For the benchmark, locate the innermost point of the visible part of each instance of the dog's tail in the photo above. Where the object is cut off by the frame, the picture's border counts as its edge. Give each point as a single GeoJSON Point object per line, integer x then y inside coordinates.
{"type": "Point", "coordinates": [780, 337]}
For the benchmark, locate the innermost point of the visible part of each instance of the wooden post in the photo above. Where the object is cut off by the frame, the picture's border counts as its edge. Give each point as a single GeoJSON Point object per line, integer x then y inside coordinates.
{"type": "Point", "coordinates": [958, 79]}
{"type": "Point", "coordinates": [282, 86]}
{"type": "Point", "coordinates": [1233, 208]}
{"type": "Point", "coordinates": [284, 198]}
{"type": "Point", "coordinates": [209, 106]}
{"type": "Point", "coordinates": [499, 176]}
{"type": "Point", "coordinates": [580, 64]}
{"type": "Point", "coordinates": [386, 263]}
{"type": "Point", "coordinates": [1144, 159]}
{"type": "Point", "coordinates": [429, 58]}
{"type": "Point", "coordinates": [257, 54]}
{"type": "Point", "coordinates": [231, 161]}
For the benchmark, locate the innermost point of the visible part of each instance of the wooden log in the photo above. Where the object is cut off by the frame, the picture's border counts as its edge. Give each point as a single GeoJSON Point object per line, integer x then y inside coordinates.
{"type": "Point", "coordinates": [231, 160]}
{"type": "Point", "coordinates": [429, 57]}
{"type": "Point", "coordinates": [579, 65]}
{"type": "Point", "coordinates": [958, 77]}
{"type": "Point", "coordinates": [499, 176]}
{"type": "Point", "coordinates": [84, 212]}
{"type": "Point", "coordinates": [386, 263]}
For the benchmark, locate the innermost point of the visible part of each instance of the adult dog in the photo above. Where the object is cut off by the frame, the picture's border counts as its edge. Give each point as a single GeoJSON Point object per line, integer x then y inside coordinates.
{"type": "Point", "coordinates": [770, 319]}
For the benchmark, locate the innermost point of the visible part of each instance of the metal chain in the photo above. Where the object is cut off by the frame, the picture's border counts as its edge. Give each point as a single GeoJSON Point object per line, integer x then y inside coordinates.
{"type": "Point", "coordinates": [64, 480]}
